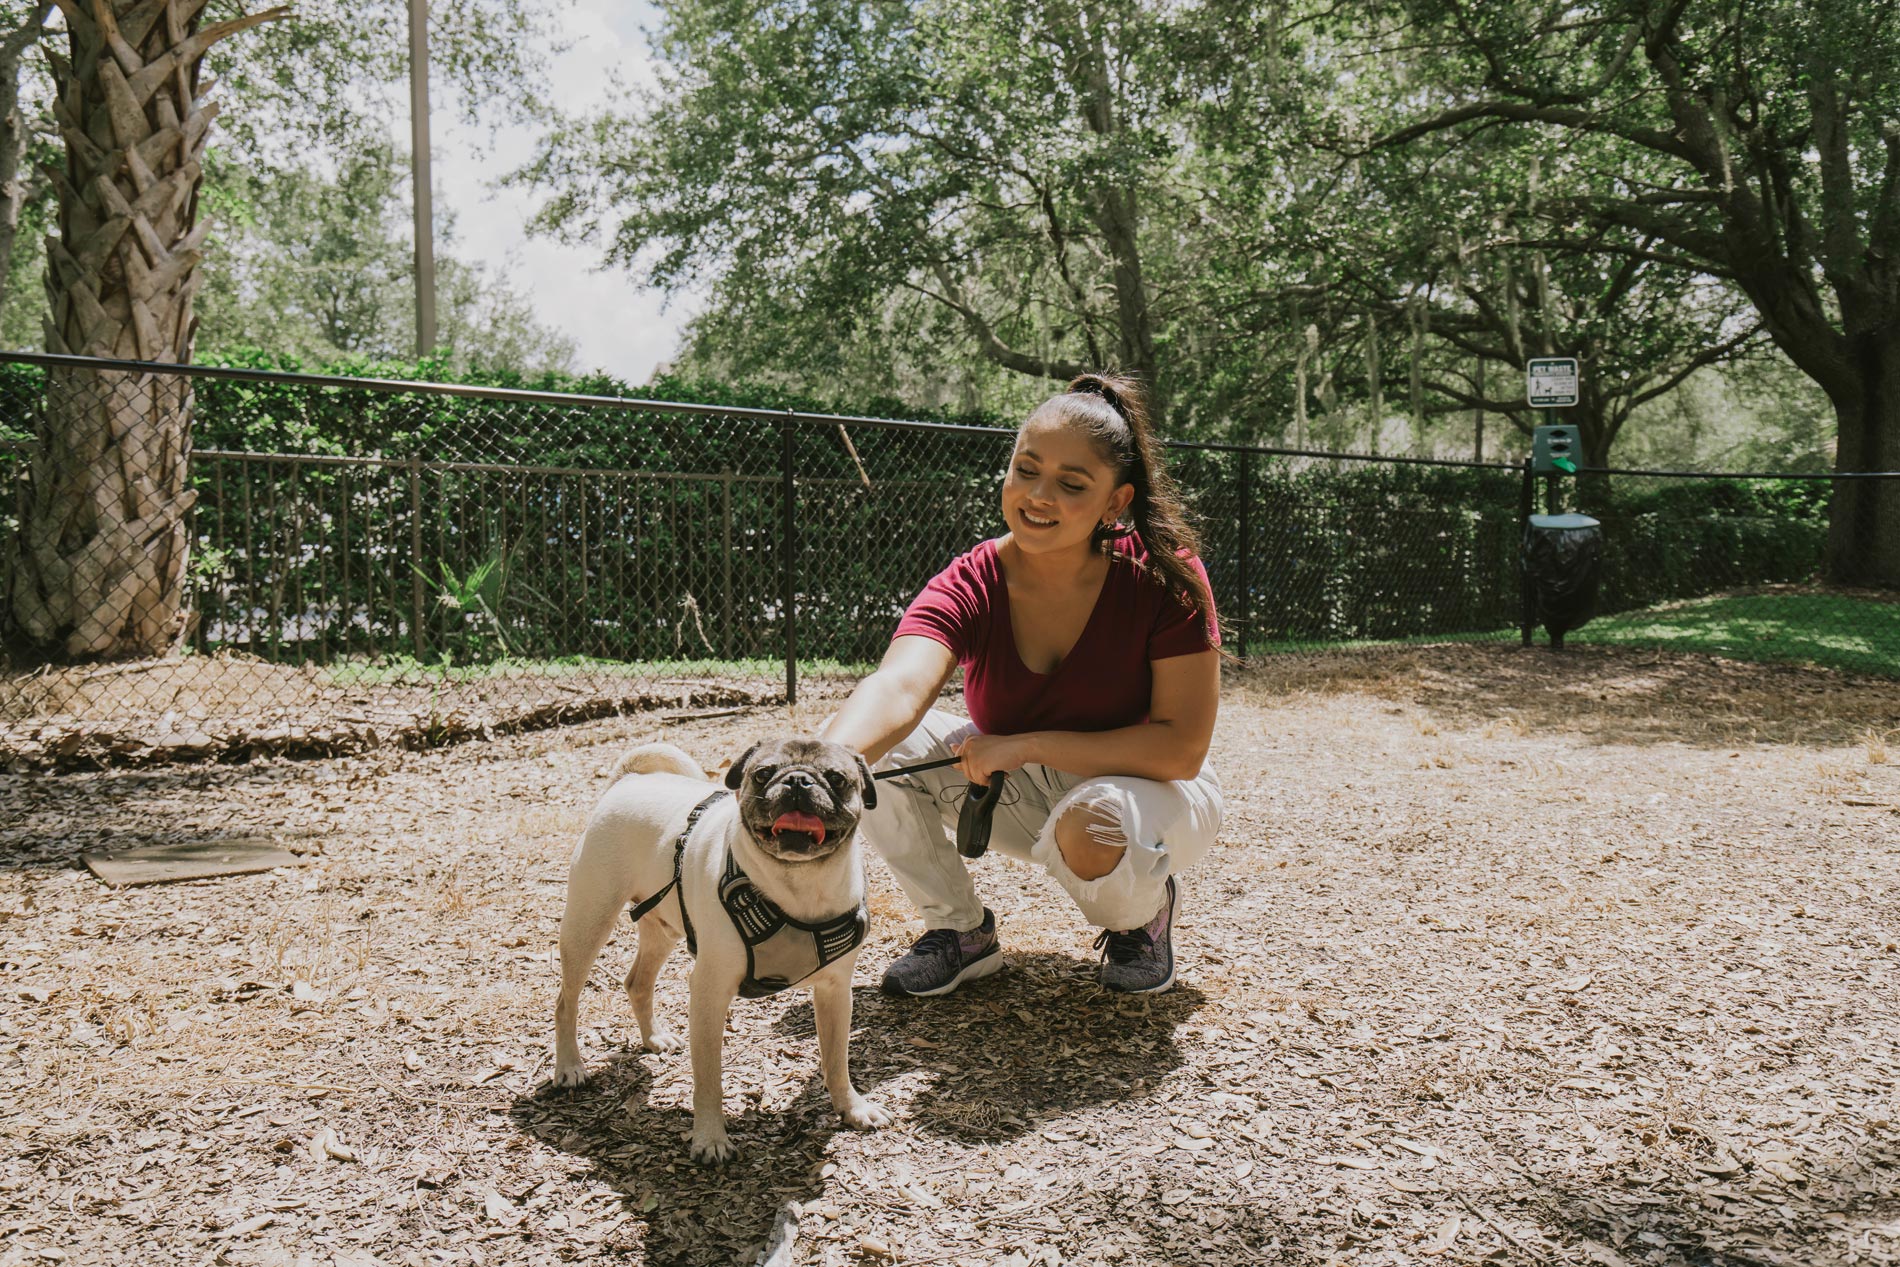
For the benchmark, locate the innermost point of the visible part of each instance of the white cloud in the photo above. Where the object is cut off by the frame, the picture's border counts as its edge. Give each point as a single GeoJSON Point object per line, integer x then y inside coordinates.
{"type": "Point", "coordinates": [618, 326]}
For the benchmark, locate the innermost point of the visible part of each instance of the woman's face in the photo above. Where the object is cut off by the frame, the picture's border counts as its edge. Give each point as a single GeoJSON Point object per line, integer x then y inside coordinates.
{"type": "Point", "coordinates": [1059, 490]}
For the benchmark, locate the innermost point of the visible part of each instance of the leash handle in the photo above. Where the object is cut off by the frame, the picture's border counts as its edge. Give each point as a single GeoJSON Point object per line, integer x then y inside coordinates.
{"type": "Point", "coordinates": [973, 820]}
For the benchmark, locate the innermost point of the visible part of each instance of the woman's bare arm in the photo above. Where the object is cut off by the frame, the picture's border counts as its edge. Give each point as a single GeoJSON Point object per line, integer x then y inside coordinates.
{"type": "Point", "coordinates": [887, 705]}
{"type": "Point", "coordinates": [1172, 744]}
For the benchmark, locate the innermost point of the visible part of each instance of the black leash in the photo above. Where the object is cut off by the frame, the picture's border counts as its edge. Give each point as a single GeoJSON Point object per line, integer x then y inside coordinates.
{"type": "Point", "coordinates": [973, 820]}
{"type": "Point", "coordinates": [913, 769]}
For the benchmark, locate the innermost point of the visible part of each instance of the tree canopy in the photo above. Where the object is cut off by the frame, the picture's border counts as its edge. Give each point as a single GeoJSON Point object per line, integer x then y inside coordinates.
{"type": "Point", "coordinates": [1000, 193]}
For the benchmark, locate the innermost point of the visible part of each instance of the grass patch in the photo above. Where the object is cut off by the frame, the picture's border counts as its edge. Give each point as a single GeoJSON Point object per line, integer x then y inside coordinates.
{"type": "Point", "coordinates": [1839, 631]}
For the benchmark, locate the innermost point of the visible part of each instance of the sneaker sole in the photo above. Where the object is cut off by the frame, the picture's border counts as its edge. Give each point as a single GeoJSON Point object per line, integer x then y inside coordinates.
{"type": "Point", "coordinates": [1150, 989]}
{"type": "Point", "coordinates": [972, 971]}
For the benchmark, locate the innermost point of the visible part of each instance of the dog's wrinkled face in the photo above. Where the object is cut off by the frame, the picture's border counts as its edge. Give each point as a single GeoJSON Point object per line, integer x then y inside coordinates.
{"type": "Point", "coordinates": [801, 798]}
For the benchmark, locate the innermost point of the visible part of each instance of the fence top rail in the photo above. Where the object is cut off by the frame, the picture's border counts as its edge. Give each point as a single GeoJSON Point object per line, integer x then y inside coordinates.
{"type": "Point", "coordinates": [516, 395]}
{"type": "Point", "coordinates": [1742, 475]}
{"type": "Point", "coordinates": [521, 396]}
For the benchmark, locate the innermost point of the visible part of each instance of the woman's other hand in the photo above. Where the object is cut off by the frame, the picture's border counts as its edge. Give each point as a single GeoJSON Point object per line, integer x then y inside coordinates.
{"type": "Point", "coordinates": [983, 755]}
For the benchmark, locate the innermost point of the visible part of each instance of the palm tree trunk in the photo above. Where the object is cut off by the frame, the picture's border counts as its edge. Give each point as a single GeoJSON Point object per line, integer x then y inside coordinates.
{"type": "Point", "coordinates": [102, 548]}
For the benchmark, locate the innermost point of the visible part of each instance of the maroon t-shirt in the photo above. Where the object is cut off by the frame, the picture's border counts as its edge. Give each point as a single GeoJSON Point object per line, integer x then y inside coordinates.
{"type": "Point", "coordinates": [1106, 680]}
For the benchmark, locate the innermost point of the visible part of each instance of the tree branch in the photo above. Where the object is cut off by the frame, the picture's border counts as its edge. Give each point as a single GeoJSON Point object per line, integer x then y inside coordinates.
{"type": "Point", "coordinates": [987, 340]}
{"type": "Point", "coordinates": [1708, 356]}
{"type": "Point", "coordinates": [1528, 112]}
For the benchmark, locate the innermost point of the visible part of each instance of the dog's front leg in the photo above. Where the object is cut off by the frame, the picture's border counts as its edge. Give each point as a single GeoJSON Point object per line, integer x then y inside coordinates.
{"type": "Point", "coordinates": [831, 1008]}
{"type": "Point", "coordinates": [712, 995]}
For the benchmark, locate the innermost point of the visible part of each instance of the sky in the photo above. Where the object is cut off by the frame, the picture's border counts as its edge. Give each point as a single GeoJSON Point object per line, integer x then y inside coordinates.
{"type": "Point", "coordinates": [618, 326]}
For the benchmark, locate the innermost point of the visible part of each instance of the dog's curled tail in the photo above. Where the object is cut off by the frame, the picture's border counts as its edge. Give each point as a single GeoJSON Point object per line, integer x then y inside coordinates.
{"type": "Point", "coordinates": [658, 758]}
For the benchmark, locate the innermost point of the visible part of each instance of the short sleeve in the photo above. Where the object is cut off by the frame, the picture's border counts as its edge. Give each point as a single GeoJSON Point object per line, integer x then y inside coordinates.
{"type": "Point", "coordinates": [1180, 629]}
{"type": "Point", "coordinates": [948, 610]}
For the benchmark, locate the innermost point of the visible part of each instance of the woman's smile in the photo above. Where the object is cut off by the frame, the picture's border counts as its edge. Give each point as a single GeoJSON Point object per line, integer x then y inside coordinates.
{"type": "Point", "coordinates": [1058, 488]}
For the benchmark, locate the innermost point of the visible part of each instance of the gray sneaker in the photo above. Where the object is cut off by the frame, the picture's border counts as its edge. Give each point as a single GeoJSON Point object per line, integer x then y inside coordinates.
{"type": "Point", "coordinates": [1141, 960]}
{"type": "Point", "coordinates": [943, 959]}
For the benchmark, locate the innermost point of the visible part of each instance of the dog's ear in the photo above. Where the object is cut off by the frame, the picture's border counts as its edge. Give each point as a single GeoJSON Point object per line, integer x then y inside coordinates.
{"type": "Point", "coordinates": [736, 775]}
{"type": "Point", "coordinates": [869, 791]}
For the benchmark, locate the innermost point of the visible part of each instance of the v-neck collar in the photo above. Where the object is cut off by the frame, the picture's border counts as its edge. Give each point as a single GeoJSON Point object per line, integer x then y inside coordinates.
{"type": "Point", "coordinates": [1009, 617]}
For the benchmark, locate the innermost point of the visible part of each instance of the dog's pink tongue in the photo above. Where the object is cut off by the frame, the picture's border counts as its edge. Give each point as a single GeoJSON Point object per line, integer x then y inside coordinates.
{"type": "Point", "coordinates": [794, 820]}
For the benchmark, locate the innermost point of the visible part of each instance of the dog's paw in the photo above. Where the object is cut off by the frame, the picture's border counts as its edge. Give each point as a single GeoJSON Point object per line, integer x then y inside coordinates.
{"type": "Point", "coordinates": [662, 1039]}
{"type": "Point", "coordinates": [863, 1115]}
{"type": "Point", "coordinates": [712, 1150]}
{"type": "Point", "coordinates": [572, 1075]}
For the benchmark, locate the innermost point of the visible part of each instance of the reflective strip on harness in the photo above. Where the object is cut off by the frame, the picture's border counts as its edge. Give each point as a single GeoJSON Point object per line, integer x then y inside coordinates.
{"type": "Point", "coordinates": [781, 951]}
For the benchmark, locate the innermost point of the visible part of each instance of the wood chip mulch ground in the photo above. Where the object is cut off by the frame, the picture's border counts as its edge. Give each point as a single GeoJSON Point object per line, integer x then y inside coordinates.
{"type": "Point", "coordinates": [1508, 958]}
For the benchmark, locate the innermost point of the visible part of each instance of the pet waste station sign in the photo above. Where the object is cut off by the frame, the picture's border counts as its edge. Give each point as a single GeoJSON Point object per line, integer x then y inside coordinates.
{"type": "Point", "coordinates": [1551, 382]}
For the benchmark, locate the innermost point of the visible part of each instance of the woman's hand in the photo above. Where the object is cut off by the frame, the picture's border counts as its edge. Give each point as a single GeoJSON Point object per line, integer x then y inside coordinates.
{"type": "Point", "coordinates": [983, 755]}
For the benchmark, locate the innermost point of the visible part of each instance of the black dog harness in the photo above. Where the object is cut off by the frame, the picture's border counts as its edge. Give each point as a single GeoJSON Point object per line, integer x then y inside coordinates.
{"type": "Point", "coordinates": [779, 951]}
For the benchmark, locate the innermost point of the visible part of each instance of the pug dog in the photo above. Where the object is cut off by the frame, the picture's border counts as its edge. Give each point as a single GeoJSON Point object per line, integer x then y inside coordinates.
{"type": "Point", "coordinates": [787, 834]}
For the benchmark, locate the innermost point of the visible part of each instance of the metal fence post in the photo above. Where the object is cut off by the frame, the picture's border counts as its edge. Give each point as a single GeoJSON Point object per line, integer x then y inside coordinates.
{"type": "Point", "coordinates": [580, 500]}
{"type": "Point", "coordinates": [788, 533]}
{"type": "Point", "coordinates": [415, 555]}
{"type": "Point", "coordinates": [1526, 504]}
{"type": "Point", "coordinates": [1246, 549]}
{"type": "Point", "coordinates": [725, 555]}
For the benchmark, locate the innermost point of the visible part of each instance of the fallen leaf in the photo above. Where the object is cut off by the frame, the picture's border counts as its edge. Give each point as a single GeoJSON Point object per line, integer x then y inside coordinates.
{"type": "Point", "coordinates": [1441, 1240]}
{"type": "Point", "coordinates": [1351, 1163]}
{"type": "Point", "coordinates": [256, 1222]}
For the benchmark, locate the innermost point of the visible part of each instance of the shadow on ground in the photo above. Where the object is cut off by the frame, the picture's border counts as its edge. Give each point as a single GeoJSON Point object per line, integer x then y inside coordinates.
{"type": "Point", "coordinates": [1002, 1057]}
{"type": "Point", "coordinates": [1730, 1210]}
{"type": "Point", "coordinates": [47, 821]}
{"type": "Point", "coordinates": [1013, 1052]}
{"type": "Point", "coordinates": [681, 1213]}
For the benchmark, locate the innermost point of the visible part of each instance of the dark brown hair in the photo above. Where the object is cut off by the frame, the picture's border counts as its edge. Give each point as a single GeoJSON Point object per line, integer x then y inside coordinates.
{"type": "Point", "coordinates": [1113, 412]}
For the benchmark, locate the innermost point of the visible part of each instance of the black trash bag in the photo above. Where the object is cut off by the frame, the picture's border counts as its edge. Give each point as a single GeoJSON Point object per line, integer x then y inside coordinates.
{"type": "Point", "coordinates": [1562, 559]}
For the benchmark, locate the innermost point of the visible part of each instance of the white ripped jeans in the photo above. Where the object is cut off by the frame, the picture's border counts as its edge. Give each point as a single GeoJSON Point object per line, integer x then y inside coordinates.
{"type": "Point", "coordinates": [1163, 827]}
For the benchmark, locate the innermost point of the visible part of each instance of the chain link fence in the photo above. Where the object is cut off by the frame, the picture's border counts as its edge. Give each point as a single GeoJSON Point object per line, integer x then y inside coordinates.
{"type": "Point", "coordinates": [210, 562]}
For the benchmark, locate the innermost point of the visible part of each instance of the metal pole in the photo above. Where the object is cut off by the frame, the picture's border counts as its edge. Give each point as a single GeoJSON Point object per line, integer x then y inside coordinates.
{"type": "Point", "coordinates": [1477, 439]}
{"type": "Point", "coordinates": [725, 554]}
{"type": "Point", "coordinates": [1526, 503]}
{"type": "Point", "coordinates": [419, 163]}
{"type": "Point", "coordinates": [788, 534]}
{"type": "Point", "coordinates": [1246, 550]}
{"type": "Point", "coordinates": [421, 638]}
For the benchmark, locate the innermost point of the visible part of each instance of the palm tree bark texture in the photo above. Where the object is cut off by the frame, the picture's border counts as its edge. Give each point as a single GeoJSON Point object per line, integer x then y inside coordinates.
{"type": "Point", "coordinates": [102, 546]}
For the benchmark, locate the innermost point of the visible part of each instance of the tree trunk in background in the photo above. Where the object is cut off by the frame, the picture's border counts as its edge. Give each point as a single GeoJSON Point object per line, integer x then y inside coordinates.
{"type": "Point", "coordinates": [102, 547]}
{"type": "Point", "coordinates": [13, 134]}
{"type": "Point", "coordinates": [1863, 531]}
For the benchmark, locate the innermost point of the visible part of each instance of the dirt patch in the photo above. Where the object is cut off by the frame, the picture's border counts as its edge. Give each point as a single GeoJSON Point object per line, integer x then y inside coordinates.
{"type": "Point", "coordinates": [1506, 957]}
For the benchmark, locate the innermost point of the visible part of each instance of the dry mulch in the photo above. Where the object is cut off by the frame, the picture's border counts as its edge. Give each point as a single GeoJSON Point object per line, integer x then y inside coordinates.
{"type": "Point", "coordinates": [233, 707]}
{"type": "Point", "coordinates": [1508, 957]}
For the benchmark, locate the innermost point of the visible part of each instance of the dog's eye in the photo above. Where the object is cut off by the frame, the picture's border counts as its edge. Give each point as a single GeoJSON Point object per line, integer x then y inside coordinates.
{"type": "Point", "coordinates": [836, 780]}
{"type": "Point", "coordinates": [764, 773]}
